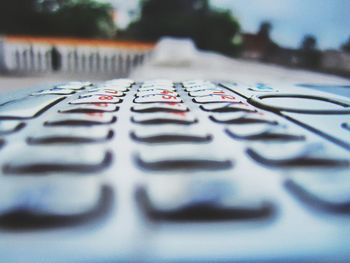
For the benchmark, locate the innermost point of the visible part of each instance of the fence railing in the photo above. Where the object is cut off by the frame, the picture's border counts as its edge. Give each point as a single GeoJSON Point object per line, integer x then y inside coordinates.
{"type": "Point", "coordinates": [38, 54]}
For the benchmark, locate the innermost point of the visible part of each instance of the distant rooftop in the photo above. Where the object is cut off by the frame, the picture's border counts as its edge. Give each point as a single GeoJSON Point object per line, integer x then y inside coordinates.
{"type": "Point", "coordinates": [77, 41]}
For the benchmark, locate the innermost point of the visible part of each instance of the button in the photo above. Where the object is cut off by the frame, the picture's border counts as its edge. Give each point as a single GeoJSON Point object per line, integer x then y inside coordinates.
{"type": "Point", "coordinates": [180, 157]}
{"type": "Point", "coordinates": [9, 126]}
{"type": "Point", "coordinates": [301, 103]}
{"type": "Point", "coordinates": [261, 131]}
{"type": "Point", "coordinates": [202, 93]}
{"type": "Point", "coordinates": [170, 134]}
{"type": "Point", "coordinates": [229, 107]}
{"type": "Point", "coordinates": [195, 82]}
{"type": "Point", "coordinates": [61, 159]}
{"type": "Point", "coordinates": [115, 87]}
{"type": "Point", "coordinates": [44, 202]}
{"type": "Point", "coordinates": [156, 88]}
{"type": "Point", "coordinates": [54, 91]}
{"type": "Point", "coordinates": [201, 84]}
{"type": "Point", "coordinates": [103, 92]}
{"type": "Point", "coordinates": [216, 99]}
{"type": "Point", "coordinates": [81, 119]}
{"type": "Point", "coordinates": [157, 98]}
{"type": "Point", "coordinates": [296, 155]}
{"type": "Point", "coordinates": [70, 135]}
{"type": "Point", "coordinates": [261, 87]}
{"type": "Point", "coordinates": [27, 107]}
{"type": "Point", "coordinates": [158, 82]}
{"type": "Point", "coordinates": [201, 200]}
{"type": "Point", "coordinates": [160, 107]}
{"type": "Point", "coordinates": [74, 85]}
{"type": "Point", "coordinates": [327, 189]}
{"type": "Point", "coordinates": [156, 92]}
{"type": "Point", "coordinates": [206, 87]}
{"type": "Point", "coordinates": [120, 82]}
{"type": "Point", "coordinates": [90, 108]}
{"type": "Point", "coordinates": [242, 118]}
{"type": "Point", "coordinates": [96, 99]}
{"type": "Point", "coordinates": [164, 118]}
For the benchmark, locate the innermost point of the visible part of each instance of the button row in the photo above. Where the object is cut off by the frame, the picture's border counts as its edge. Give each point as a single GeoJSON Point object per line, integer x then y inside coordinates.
{"type": "Point", "coordinates": [43, 159]}
{"type": "Point", "coordinates": [263, 128]}
{"type": "Point", "coordinates": [164, 120]}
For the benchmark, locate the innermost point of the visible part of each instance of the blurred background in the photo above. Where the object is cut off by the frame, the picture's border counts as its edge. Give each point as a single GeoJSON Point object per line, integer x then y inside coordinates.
{"type": "Point", "coordinates": [98, 39]}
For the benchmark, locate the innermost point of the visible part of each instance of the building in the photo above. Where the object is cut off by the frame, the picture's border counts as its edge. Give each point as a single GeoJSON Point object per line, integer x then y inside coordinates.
{"type": "Point", "coordinates": [23, 54]}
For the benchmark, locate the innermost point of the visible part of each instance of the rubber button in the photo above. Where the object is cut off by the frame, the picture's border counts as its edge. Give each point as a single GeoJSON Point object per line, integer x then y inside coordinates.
{"type": "Point", "coordinates": [81, 119]}
{"type": "Point", "coordinates": [164, 118]}
{"type": "Point", "coordinates": [201, 200]}
{"type": "Point", "coordinates": [27, 107]}
{"type": "Point", "coordinates": [42, 160]}
{"type": "Point", "coordinates": [44, 202]}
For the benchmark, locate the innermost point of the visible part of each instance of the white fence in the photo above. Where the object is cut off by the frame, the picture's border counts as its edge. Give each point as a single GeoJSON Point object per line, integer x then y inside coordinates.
{"type": "Point", "coordinates": [29, 57]}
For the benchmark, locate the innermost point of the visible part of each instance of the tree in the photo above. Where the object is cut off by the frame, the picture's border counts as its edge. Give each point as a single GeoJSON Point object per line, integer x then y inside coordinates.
{"type": "Point", "coordinates": [346, 46]}
{"type": "Point", "coordinates": [83, 18]}
{"type": "Point", "coordinates": [265, 29]}
{"type": "Point", "coordinates": [310, 57]}
{"type": "Point", "coordinates": [309, 43]}
{"type": "Point", "coordinates": [210, 29]}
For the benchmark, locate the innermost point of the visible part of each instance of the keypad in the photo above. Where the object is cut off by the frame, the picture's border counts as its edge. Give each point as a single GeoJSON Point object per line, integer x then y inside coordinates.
{"type": "Point", "coordinates": [182, 156]}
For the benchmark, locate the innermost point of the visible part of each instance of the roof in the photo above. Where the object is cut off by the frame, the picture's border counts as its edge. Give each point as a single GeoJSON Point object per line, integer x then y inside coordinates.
{"type": "Point", "coordinates": [78, 42]}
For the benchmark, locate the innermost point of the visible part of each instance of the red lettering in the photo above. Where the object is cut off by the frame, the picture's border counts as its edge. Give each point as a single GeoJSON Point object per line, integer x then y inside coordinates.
{"type": "Point", "coordinates": [95, 114]}
{"type": "Point", "coordinates": [228, 97]}
{"type": "Point", "coordinates": [218, 92]}
{"type": "Point", "coordinates": [110, 91]}
{"type": "Point", "coordinates": [180, 113]}
{"type": "Point", "coordinates": [169, 97]}
{"type": "Point", "coordinates": [105, 98]}
{"type": "Point", "coordinates": [165, 92]}
{"type": "Point", "coordinates": [102, 105]}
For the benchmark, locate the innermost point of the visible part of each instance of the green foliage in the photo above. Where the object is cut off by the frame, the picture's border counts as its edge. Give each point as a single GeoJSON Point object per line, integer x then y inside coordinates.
{"type": "Point", "coordinates": [81, 18]}
{"type": "Point", "coordinates": [85, 18]}
{"type": "Point", "coordinates": [210, 29]}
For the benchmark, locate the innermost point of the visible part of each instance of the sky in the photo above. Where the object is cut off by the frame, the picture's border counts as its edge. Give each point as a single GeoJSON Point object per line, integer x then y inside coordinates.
{"type": "Point", "coordinates": [327, 20]}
